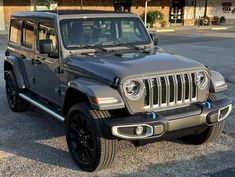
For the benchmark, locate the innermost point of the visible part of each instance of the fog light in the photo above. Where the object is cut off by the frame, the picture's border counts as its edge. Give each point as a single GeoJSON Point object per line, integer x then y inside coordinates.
{"type": "Point", "coordinates": [139, 130]}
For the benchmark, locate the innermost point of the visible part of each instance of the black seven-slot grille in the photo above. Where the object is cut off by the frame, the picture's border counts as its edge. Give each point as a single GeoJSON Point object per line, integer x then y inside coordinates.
{"type": "Point", "coordinates": [170, 90]}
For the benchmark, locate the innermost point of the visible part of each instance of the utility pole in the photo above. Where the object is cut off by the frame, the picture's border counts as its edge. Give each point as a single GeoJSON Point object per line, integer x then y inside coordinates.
{"type": "Point", "coordinates": [146, 12]}
{"type": "Point", "coordinates": [205, 12]}
{"type": "Point", "coordinates": [199, 13]}
{"type": "Point", "coordinates": [81, 4]}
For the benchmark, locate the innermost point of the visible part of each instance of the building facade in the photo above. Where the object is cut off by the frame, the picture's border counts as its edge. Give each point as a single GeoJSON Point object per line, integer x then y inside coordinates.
{"type": "Point", "coordinates": [136, 6]}
{"type": "Point", "coordinates": [176, 12]}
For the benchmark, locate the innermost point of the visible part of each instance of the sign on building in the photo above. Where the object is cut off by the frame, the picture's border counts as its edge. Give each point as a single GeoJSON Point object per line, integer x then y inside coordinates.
{"type": "Point", "coordinates": [226, 7]}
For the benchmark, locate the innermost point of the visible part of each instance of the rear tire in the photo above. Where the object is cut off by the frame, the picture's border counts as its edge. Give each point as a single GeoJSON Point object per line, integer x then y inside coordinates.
{"type": "Point", "coordinates": [16, 103]}
{"type": "Point", "coordinates": [87, 143]}
{"type": "Point", "coordinates": [210, 134]}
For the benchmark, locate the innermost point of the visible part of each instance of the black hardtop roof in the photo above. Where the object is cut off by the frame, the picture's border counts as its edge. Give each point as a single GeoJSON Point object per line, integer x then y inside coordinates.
{"type": "Point", "coordinates": [52, 13]}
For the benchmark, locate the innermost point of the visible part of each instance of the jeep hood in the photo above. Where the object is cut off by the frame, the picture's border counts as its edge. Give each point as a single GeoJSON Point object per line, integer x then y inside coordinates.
{"type": "Point", "coordinates": [129, 65]}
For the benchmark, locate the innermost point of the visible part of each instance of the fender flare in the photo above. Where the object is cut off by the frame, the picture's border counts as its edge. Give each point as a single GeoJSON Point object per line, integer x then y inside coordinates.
{"type": "Point", "coordinates": [14, 61]}
{"type": "Point", "coordinates": [107, 97]}
{"type": "Point", "coordinates": [218, 83]}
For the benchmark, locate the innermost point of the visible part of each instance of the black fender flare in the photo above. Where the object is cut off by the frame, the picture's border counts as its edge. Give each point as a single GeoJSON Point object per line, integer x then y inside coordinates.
{"type": "Point", "coordinates": [14, 61]}
{"type": "Point", "coordinates": [108, 98]}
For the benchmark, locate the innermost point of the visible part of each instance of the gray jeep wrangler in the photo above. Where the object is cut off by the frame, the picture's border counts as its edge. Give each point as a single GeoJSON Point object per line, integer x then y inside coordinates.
{"type": "Point", "coordinates": [101, 74]}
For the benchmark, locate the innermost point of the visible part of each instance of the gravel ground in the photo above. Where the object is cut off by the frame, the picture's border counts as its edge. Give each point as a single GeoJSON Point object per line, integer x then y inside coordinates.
{"type": "Point", "coordinates": [33, 144]}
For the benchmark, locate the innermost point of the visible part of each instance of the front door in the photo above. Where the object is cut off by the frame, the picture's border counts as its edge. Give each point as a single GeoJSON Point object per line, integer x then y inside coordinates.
{"type": "Point", "coordinates": [46, 68]}
{"type": "Point", "coordinates": [177, 12]}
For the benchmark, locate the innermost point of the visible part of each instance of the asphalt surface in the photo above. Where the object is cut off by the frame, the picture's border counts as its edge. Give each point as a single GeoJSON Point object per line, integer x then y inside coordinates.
{"type": "Point", "coordinates": [33, 143]}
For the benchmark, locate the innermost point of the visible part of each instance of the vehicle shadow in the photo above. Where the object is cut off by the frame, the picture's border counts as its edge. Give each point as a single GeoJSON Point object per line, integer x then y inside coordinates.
{"type": "Point", "coordinates": [34, 135]}
{"type": "Point", "coordinates": [210, 165]}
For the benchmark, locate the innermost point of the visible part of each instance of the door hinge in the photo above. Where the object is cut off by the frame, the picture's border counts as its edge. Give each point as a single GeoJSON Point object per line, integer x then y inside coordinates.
{"type": "Point", "coordinates": [58, 91]}
{"type": "Point", "coordinates": [59, 70]}
{"type": "Point", "coordinates": [33, 80]}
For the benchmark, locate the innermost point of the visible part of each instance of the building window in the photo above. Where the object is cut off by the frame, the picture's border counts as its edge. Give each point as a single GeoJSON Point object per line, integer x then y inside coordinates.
{"type": "Point", "coordinates": [28, 34]}
{"type": "Point", "coordinates": [15, 32]}
{"type": "Point", "coordinates": [45, 5]}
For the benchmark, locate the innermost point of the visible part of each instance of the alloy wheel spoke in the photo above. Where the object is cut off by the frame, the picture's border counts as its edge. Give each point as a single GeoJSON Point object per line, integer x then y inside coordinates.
{"type": "Point", "coordinates": [88, 153]}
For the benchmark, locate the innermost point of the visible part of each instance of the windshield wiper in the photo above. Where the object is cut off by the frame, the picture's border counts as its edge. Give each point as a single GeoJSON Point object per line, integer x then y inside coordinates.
{"type": "Point", "coordinates": [87, 49]}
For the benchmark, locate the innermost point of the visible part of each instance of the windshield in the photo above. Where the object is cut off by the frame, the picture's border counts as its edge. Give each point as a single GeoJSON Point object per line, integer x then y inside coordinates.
{"type": "Point", "coordinates": [103, 32]}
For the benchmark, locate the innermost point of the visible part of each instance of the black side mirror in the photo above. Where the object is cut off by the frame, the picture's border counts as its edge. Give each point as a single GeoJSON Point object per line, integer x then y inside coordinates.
{"type": "Point", "coordinates": [45, 46]}
{"type": "Point", "coordinates": [154, 38]}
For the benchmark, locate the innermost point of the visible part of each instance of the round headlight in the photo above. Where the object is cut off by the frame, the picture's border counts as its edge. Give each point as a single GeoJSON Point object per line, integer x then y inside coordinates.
{"type": "Point", "coordinates": [133, 89]}
{"type": "Point", "coordinates": [201, 80]}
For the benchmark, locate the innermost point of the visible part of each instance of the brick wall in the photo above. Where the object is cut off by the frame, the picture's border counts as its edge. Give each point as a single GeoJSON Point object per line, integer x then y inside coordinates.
{"type": "Point", "coordinates": [11, 6]}
{"type": "Point", "coordinates": [137, 6]}
{"type": "Point", "coordinates": [2, 20]}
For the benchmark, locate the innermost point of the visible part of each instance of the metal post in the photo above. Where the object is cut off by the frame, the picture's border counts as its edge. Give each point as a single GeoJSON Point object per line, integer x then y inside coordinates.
{"type": "Point", "coordinates": [81, 4]}
{"type": "Point", "coordinates": [205, 12]}
{"type": "Point", "coordinates": [200, 13]}
{"type": "Point", "coordinates": [146, 12]}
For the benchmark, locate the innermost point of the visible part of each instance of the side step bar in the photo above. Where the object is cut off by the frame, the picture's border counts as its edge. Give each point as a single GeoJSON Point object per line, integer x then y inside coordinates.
{"type": "Point", "coordinates": [41, 106]}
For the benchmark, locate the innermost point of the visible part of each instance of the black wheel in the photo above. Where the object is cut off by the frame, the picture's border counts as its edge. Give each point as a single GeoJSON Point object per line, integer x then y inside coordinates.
{"type": "Point", "coordinates": [89, 147]}
{"type": "Point", "coordinates": [211, 132]}
{"type": "Point", "coordinates": [16, 103]}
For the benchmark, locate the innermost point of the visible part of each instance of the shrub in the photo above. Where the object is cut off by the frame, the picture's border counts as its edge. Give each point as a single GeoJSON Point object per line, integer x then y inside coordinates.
{"type": "Point", "coordinates": [153, 17]}
{"type": "Point", "coordinates": [222, 19]}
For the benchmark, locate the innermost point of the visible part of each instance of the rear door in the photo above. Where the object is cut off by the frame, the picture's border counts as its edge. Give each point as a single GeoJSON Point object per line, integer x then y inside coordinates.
{"type": "Point", "coordinates": [46, 68]}
{"type": "Point", "coordinates": [21, 44]}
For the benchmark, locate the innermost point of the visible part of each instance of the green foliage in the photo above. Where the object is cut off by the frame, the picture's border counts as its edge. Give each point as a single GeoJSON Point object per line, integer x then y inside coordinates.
{"type": "Point", "coordinates": [222, 19]}
{"type": "Point", "coordinates": [153, 17]}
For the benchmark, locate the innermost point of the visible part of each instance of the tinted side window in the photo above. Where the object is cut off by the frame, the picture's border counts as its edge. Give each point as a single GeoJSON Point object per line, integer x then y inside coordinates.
{"type": "Point", "coordinates": [28, 34]}
{"type": "Point", "coordinates": [15, 32]}
{"type": "Point", "coordinates": [46, 31]}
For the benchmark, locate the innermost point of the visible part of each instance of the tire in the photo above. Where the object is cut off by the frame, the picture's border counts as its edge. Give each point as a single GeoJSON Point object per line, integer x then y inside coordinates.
{"type": "Point", "coordinates": [16, 103]}
{"type": "Point", "coordinates": [87, 143]}
{"type": "Point", "coordinates": [210, 134]}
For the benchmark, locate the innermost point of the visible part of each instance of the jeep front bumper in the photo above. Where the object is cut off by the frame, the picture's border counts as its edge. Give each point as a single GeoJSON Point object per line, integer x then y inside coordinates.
{"type": "Point", "coordinates": [153, 125]}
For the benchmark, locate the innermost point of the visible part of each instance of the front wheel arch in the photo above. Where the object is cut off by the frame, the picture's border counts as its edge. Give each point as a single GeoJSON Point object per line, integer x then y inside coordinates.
{"type": "Point", "coordinates": [7, 67]}
{"type": "Point", "coordinates": [73, 97]}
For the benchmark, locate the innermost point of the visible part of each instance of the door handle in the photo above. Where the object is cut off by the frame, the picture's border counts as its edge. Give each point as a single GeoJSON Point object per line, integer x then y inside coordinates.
{"type": "Point", "coordinates": [22, 56]}
{"type": "Point", "coordinates": [36, 62]}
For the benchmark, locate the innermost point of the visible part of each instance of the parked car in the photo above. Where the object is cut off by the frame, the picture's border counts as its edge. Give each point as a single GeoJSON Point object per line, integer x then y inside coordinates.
{"type": "Point", "coordinates": [102, 74]}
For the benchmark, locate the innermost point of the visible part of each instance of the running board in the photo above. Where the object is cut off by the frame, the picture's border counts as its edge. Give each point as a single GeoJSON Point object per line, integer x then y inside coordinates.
{"type": "Point", "coordinates": [42, 107]}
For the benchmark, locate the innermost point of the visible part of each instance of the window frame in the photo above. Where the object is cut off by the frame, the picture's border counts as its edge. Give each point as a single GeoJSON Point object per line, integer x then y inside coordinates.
{"type": "Point", "coordinates": [22, 35]}
{"type": "Point", "coordinates": [37, 23]}
{"type": "Point", "coordinates": [20, 32]}
{"type": "Point", "coordinates": [149, 42]}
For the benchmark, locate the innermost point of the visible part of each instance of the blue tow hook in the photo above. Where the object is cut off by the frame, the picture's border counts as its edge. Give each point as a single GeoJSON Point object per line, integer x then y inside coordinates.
{"type": "Point", "coordinates": [209, 105]}
{"type": "Point", "coordinates": [154, 115]}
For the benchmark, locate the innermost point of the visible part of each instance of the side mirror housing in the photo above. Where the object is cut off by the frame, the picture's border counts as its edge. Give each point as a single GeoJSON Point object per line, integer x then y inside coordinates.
{"type": "Point", "coordinates": [154, 37]}
{"type": "Point", "coordinates": [45, 46]}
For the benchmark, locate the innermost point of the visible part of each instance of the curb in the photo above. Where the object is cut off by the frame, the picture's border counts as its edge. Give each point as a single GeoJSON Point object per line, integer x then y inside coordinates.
{"type": "Point", "coordinates": [219, 28]}
{"type": "Point", "coordinates": [165, 30]}
{"type": "Point", "coordinates": [216, 28]}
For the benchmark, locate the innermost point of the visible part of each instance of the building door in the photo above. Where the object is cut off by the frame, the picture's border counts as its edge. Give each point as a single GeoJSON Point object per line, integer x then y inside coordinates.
{"type": "Point", "coordinates": [177, 12]}
{"type": "Point", "coordinates": [122, 5]}
{"type": "Point", "coordinates": [42, 5]}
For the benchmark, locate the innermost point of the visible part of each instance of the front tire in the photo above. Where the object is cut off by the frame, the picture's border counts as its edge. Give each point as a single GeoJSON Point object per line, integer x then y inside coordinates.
{"type": "Point", "coordinates": [87, 143]}
{"type": "Point", "coordinates": [210, 134]}
{"type": "Point", "coordinates": [16, 103]}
